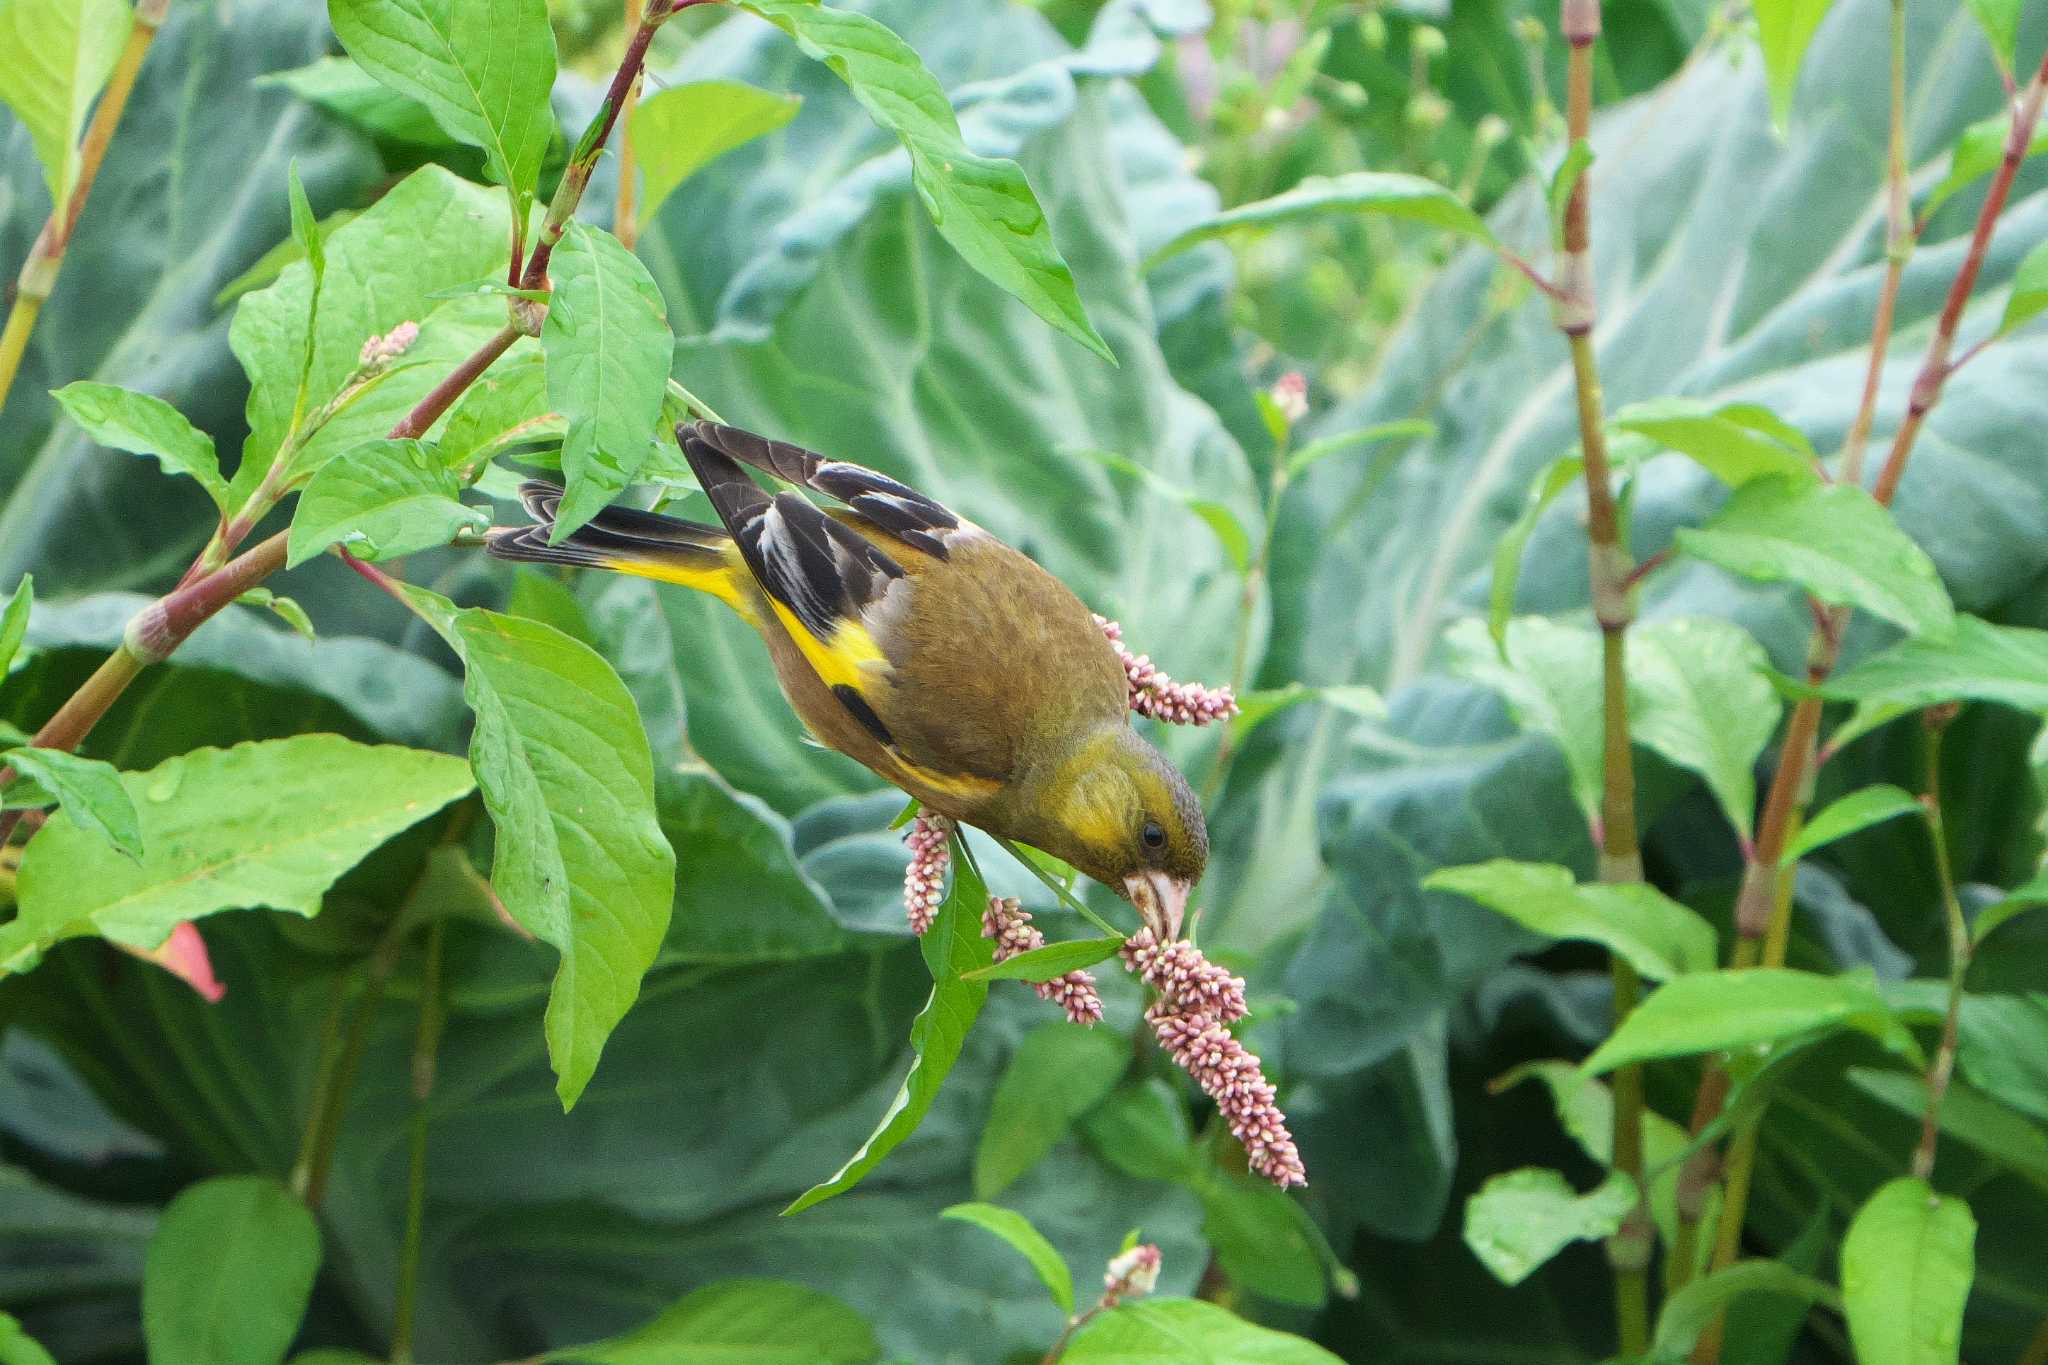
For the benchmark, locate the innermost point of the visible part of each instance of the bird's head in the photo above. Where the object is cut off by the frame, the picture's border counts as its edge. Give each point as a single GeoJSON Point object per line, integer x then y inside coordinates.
{"type": "Point", "coordinates": [1124, 815]}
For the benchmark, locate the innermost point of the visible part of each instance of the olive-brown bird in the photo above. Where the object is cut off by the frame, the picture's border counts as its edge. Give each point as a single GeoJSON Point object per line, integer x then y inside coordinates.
{"type": "Point", "coordinates": [916, 643]}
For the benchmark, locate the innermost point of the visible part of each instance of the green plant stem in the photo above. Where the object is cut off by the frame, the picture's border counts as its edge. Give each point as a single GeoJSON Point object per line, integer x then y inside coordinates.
{"type": "Point", "coordinates": [46, 256]}
{"type": "Point", "coordinates": [1898, 240]}
{"type": "Point", "coordinates": [1943, 1066]}
{"type": "Point", "coordinates": [1608, 568]}
{"type": "Point", "coordinates": [426, 1045]}
{"type": "Point", "coordinates": [1248, 602]}
{"type": "Point", "coordinates": [309, 1176]}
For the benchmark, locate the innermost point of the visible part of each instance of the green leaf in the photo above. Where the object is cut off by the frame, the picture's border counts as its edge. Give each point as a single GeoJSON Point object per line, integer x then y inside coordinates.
{"type": "Point", "coordinates": [17, 1347]}
{"type": "Point", "coordinates": [2004, 1048]}
{"type": "Point", "coordinates": [681, 128]}
{"type": "Point", "coordinates": [1833, 540]}
{"type": "Point", "coordinates": [1735, 442]}
{"type": "Point", "coordinates": [380, 500]}
{"type": "Point", "coordinates": [1978, 662]}
{"type": "Point", "coordinates": [89, 791]}
{"type": "Point", "coordinates": [1687, 1313]}
{"type": "Point", "coordinates": [1016, 1229]}
{"type": "Point", "coordinates": [2029, 896]}
{"type": "Point", "coordinates": [230, 1271]}
{"type": "Point", "coordinates": [1660, 937]}
{"type": "Point", "coordinates": [1052, 960]}
{"type": "Point", "coordinates": [1142, 1130]}
{"type": "Point", "coordinates": [1217, 516]}
{"type": "Point", "coordinates": [1057, 1074]}
{"type": "Point", "coordinates": [608, 351]}
{"type": "Point", "coordinates": [268, 824]}
{"type": "Point", "coordinates": [14, 621]}
{"type": "Point", "coordinates": [580, 859]}
{"type": "Point", "coordinates": [2029, 296]}
{"type": "Point", "coordinates": [1185, 1332]}
{"type": "Point", "coordinates": [1968, 1115]}
{"type": "Point", "coordinates": [1978, 150]}
{"type": "Point", "coordinates": [1699, 694]}
{"type": "Point", "coordinates": [982, 205]}
{"type": "Point", "coordinates": [1907, 1262]}
{"type": "Point", "coordinates": [1858, 810]}
{"type": "Point", "coordinates": [953, 946]}
{"type": "Point", "coordinates": [2000, 20]}
{"type": "Point", "coordinates": [1315, 452]}
{"type": "Point", "coordinates": [286, 610]}
{"type": "Point", "coordinates": [342, 88]}
{"type": "Point", "coordinates": [1785, 27]}
{"type": "Point", "coordinates": [1263, 1239]}
{"type": "Point", "coordinates": [506, 407]}
{"type": "Point", "coordinates": [1716, 1011]}
{"type": "Point", "coordinates": [1388, 192]}
{"type": "Point", "coordinates": [1517, 1221]}
{"type": "Point", "coordinates": [57, 55]}
{"type": "Point", "coordinates": [1557, 476]}
{"type": "Point", "coordinates": [1566, 179]}
{"type": "Point", "coordinates": [483, 67]}
{"type": "Point", "coordinates": [740, 1320]}
{"type": "Point", "coordinates": [1256, 708]}
{"type": "Point", "coordinates": [1547, 673]}
{"type": "Point", "coordinates": [143, 425]}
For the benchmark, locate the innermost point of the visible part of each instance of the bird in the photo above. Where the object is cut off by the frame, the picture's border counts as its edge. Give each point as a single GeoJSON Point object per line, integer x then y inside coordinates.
{"type": "Point", "coordinates": [918, 644]}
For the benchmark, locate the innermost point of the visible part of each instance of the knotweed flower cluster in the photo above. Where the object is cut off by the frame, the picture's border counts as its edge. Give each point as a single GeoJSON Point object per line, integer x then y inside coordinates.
{"type": "Point", "coordinates": [1009, 924]}
{"type": "Point", "coordinates": [1131, 1274]}
{"type": "Point", "coordinates": [1197, 1001]}
{"type": "Point", "coordinates": [924, 881]}
{"type": "Point", "coordinates": [382, 350]}
{"type": "Point", "coordinates": [1290, 396]}
{"type": "Point", "coordinates": [1155, 694]}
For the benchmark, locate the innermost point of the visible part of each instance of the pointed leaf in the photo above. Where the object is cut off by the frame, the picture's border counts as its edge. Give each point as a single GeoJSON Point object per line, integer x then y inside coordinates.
{"type": "Point", "coordinates": [1735, 442]}
{"type": "Point", "coordinates": [1517, 1221]}
{"type": "Point", "coordinates": [2029, 296]}
{"type": "Point", "coordinates": [1841, 818]}
{"type": "Point", "coordinates": [88, 791]}
{"type": "Point", "coordinates": [982, 205]}
{"type": "Point", "coordinates": [268, 824]}
{"type": "Point", "coordinates": [57, 54]}
{"type": "Point", "coordinates": [1548, 677]}
{"type": "Point", "coordinates": [143, 425]}
{"type": "Point", "coordinates": [1557, 476]}
{"type": "Point", "coordinates": [1052, 960]}
{"type": "Point", "coordinates": [1185, 1332]}
{"type": "Point", "coordinates": [17, 1347]}
{"type": "Point", "coordinates": [1686, 1313]}
{"type": "Point", "coordinates": [483, 67]}
{"type": "Point", "coordinates": [1833, 540]}
{"type": "Point", "coordinates": [1968, 1115]}
{"type": "Point", "coordinates": [735, 1321]}
{"type": "Point", "coordinates": [2000, 20]}
{"type": "Point", "coordinates": [230, 1271]}
{"type": "Point", "coordinates": [1315, 452]}
{"type": "Point", "coordinates": [1016, 1229]}
{"type": "Point", "coordinates": [1388, 192]}
{"type": "Point", "coordinates": [1978, 150]}
{"type": "Point", "coordinates": [1699, 695]}
{"type": "Point", "coordinates": [2018, 901]}
{"type": "Point", "coordinates": [1784, 28]}
{"type": "Point", "coordinates": [953, 946]}
{"type": "Point", "coordinates": [580, 858]}
{"type": "Point", "coordinates": [1657, 935]}
{"type": "Point", "coordinates": [1057, 1074]}
{"type": "Point", "coordinates": [1263, 1239]}
{"type": "Point", "coordinates": [1715, 1011]}
{"type": "Point", "coordinates": [1907, 1262]}
{"type": "Point", "coordinates": [608, 352]}
{"type": "Point", "coordinates": [340, 86]}
{"type": "Point", "coordinates": [1566, 179]}
{"type": "Point", "coordinates": [380, 500]}
{"type": "Point", "coordinates": [1978, 662]}
{"type": "Point", "coordinates": [681, 128]}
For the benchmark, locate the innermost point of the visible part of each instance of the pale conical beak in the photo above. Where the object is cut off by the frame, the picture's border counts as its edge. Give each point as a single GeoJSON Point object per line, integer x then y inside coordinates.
{"type": "Point", "coordinates": [1162, 902]}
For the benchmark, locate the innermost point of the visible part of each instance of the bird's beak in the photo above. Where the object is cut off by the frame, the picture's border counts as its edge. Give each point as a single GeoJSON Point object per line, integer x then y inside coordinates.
{"type": "Point", "coordinates": [1161, 900]}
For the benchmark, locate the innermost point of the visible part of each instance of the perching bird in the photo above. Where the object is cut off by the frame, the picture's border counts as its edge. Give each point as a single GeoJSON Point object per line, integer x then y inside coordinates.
{"type": "Point", "coordinates": [918, 644]}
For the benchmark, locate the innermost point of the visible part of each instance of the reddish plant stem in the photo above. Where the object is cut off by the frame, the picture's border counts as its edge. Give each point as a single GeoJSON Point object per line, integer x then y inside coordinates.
{"type": "Point", "coordinates": [1934, 370]}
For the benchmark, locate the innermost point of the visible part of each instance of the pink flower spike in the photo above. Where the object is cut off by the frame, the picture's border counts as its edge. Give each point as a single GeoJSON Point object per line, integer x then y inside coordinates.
{"type": "Point", "coordinates": [1155, 694]}
{"type": "Point", "coordinates": [1131, 1274]}
{"type": "Point", "coordinates": [184, 956]}
{"type": "Point", "coordinates": [1009, 924]}
{"type": "Point", "coordinates": [1290, 396]}
{"type": "Point", "coordinates": [1196, 999]}
{"type": "Point", "coordinates": [924, 881]}
{"type": "Point", "coordinates": [379, 350]}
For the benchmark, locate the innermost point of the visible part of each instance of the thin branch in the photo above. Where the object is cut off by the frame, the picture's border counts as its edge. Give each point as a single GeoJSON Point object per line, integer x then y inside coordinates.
{"type": "Point", "coordinates": [426, 1046]}
{"type": "Point", "coordinates": [626, 206]}
{"type": "Point", "coordinates": [1943, 1067]}
{"type": "Point", "coordinates": [46, 256]}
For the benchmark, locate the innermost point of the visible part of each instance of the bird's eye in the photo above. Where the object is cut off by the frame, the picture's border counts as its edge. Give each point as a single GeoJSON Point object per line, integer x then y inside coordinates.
{"type": "Point", "coordinates": [1153, 836]}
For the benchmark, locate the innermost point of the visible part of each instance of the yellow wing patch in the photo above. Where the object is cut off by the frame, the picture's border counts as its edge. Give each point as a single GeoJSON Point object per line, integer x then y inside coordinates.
{"type": "Point", "coordinates": [843, 660]}
{"type": "Point", "coordinates": [726, 582]}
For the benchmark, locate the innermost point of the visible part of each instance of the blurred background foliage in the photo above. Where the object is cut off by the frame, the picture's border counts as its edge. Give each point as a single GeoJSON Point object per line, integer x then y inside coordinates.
{"type": "Point", "coordinates": [812, 300]}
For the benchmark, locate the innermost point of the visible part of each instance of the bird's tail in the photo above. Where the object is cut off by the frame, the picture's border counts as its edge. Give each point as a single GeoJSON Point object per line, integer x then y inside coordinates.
{"type": "Point", "coordinates": [625, 540]}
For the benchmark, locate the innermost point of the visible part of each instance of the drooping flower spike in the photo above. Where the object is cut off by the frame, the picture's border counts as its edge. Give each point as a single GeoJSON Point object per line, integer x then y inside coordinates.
{"type": "Point", "coordinates": [924, 881]}
{"type": "Point", "coordinates": [1197, 999]}
{"type": "Point", "coordinates": [1009, 924]}
{"type": "Point", "coordinates": [1155, 694]}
